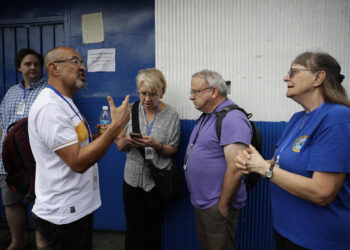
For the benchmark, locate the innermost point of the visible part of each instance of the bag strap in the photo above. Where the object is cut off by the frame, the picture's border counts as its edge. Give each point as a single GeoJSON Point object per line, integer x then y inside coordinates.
{"type": "Point", "coordinates": [135, 123]}
{"type": "Point", "coordinates": [220, 115]}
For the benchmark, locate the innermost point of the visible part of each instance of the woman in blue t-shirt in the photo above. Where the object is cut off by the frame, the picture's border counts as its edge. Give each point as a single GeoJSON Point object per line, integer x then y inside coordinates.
{"type": "Point", "coordinates": [310, 169]}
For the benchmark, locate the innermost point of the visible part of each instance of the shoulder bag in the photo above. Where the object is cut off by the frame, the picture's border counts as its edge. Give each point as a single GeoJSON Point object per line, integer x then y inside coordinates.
{"type": "Point", "coordinates": [168, 181]}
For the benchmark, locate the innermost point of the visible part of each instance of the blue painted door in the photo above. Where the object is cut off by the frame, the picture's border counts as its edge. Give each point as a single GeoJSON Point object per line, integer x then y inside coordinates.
{"type": "Point", "coordinates": [40, 36]}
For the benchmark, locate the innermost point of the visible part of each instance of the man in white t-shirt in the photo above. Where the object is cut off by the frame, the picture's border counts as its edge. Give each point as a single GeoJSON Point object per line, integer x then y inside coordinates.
{"type": "Point", "coordinates": [67, 188]}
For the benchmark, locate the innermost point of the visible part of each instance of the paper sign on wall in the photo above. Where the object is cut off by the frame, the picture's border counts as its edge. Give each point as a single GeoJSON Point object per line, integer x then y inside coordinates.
{"type": "Point", "coordinates": [101, 60]}
{"type": "Point", "coordinates": [92, 28]}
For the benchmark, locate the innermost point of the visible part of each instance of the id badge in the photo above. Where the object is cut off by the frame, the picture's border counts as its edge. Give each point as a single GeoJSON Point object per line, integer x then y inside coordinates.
{"type": "Point", "coordinates": [95, 178]}
{"type": "Point", "coordinates": [148, 153]}
{"type": "Point", "coordinates": [21, 107]}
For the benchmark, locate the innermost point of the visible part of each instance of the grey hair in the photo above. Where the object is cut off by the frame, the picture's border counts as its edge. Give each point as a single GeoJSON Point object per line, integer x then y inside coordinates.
{"type": "Point", "coordinates": [152, 78]}
{"type": "Point", "coordinates": [213, 78]}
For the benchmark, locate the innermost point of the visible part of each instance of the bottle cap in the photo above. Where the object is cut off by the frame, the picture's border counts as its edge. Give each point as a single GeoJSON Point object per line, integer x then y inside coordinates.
{"type": "Point", "coordinates": [104, 107]}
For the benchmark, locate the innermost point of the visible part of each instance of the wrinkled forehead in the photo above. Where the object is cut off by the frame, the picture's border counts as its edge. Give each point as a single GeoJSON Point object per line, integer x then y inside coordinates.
{"type": "Point", "coordinates": [64, 53]}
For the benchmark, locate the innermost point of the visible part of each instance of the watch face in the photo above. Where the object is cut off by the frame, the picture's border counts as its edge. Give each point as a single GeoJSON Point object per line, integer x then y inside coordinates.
{"type": "Point", "coordinates": [268, 174]}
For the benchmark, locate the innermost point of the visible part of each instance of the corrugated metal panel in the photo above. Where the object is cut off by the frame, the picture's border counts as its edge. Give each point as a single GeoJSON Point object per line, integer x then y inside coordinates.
{"type": "Point", "coordinates": [250, 42]}
{"type": "Point", "coordinates": [254, 230]}
{"type": "Point", "coordinates": [179, 230]}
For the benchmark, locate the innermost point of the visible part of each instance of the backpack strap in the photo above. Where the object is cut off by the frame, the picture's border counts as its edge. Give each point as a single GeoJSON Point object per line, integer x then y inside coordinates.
{"type": "Point", "coordinates": [135, 117]}
{"type": "Point", "coordinates": [203, 114]}
{"type": "Point", "coordinates": [220, 115]}
{"type": "Point", "coordinates": [135, 123]}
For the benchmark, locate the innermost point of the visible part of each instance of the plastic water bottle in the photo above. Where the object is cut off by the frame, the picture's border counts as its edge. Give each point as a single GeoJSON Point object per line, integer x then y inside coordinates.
{"type": "Point", "coordinates": [105, 119]}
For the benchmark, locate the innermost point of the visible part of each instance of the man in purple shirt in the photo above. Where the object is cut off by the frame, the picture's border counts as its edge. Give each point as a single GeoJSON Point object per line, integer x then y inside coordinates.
{"type": "Point", "coordinates": [217, 190]}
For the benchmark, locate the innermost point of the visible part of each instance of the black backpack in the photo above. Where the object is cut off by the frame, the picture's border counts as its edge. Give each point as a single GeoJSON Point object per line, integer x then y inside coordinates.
{"type": "Point", "coordinates": [18, 160]}
{"type": "Point", "coordinates": [250, 179]}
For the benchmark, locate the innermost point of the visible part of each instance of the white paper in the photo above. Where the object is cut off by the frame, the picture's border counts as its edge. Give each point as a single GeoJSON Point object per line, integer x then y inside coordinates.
{"type": "Point", "coordinates": [101, 60]}
{"type": "Point", "coordinates": [92, 28]}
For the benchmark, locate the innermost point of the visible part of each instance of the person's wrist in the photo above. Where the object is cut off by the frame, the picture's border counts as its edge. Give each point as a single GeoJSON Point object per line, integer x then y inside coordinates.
{"type": "Point", "coordinates": [160, 147]}
{"type": "Point", "coordinates": [265, 167]}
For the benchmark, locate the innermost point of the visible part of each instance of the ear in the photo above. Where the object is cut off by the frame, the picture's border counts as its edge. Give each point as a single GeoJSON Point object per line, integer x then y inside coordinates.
{"type": "Point", "coordinates": [320, 76]}
{"type": "Point", "coordinates": [53, 68]}
{"type": "Point", "coordinates": [215, 92]}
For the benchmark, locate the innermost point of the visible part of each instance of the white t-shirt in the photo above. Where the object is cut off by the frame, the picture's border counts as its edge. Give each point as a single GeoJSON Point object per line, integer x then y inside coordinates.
{"type": "Point", "coordinates": [62, 195]}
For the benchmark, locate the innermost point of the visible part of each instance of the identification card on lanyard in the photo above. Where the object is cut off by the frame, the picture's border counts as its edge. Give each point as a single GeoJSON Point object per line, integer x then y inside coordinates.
{"type": "Point", "coordinates": [149, 150]}
{"type": "Point", "coordinates": [22, 104]}
{"type": "Point", "coordinates": [148, 153]}
{"type": "Point", "coordinates": [21, 107]}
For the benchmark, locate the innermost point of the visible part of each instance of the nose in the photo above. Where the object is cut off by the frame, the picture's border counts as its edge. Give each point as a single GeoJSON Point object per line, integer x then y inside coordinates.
{"type": "Point", "coordinates": [286, 77]}
{"type": "Point", "coordinates": [192, 97]}
{"type": "Point", "coordinates": [82, 66]}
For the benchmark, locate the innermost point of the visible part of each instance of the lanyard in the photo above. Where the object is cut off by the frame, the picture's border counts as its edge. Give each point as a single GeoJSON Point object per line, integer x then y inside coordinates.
{"type": "Point", "coordinates": [64, 99]}
{"type": "Point", "coordinates": [150, 127]}
{"type": "Point", "coordinates": [289, 139]}
{"type": "Point", "coordinates": [204, 121]}
{"type": "Point", "coordinates": [24, 93]}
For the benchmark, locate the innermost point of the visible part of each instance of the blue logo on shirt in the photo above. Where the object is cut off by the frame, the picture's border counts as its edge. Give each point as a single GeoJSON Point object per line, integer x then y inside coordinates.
{"type": "Point", "coordinates": [298, 144]}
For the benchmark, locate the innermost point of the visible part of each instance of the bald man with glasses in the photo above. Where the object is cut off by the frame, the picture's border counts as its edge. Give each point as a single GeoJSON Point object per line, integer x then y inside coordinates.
{"type": "Point", "coordinates": [67, 181]}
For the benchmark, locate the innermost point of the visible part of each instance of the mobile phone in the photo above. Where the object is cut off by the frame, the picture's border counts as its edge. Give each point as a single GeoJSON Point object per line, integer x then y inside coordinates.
{"type": "Point", "coordinates": [135, 135]}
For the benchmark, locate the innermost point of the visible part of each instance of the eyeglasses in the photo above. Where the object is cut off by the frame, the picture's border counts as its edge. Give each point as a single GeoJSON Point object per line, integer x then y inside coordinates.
{"type": "Point", "coordinates": [292, 71]}
{"type": "Point", "coordinates": [196, 92]}
{"type": "Point", "coordinates": [150, 95]}
{"type": "Point", "coordinates": [75, 60]}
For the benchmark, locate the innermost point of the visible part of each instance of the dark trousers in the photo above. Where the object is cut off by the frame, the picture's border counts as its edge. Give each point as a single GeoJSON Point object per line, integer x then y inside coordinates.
{"type": "Point", "coordinates": [285, 244]}
{"type": "Point", "coordinates": [144, 213]}
{"type": "Point", "coordinates": [76, 235]}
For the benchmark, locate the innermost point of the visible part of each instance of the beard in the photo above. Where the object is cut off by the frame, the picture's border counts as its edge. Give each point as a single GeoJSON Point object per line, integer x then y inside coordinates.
{"type": "Point", "coordinates": [79, 84]}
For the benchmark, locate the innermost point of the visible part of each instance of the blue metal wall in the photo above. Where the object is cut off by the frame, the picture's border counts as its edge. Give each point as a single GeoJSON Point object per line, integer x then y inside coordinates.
{"type": "Point", "coordinates": [129, 27]}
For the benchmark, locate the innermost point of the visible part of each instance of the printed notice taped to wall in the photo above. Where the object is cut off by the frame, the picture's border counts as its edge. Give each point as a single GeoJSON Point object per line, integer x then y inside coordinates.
{"type": "Point", "coordinates": [92, 28]}
{"type": "Point", "coordinates": [101, 60]}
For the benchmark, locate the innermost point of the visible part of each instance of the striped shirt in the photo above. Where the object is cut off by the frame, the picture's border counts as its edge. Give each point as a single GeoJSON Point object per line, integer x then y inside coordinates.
{"type": "Point", "coordinates": [9, 106]}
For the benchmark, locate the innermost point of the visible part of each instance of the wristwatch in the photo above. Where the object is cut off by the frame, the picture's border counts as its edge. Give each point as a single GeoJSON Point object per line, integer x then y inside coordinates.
{"type": "Point", "coordinates": [269, 173]}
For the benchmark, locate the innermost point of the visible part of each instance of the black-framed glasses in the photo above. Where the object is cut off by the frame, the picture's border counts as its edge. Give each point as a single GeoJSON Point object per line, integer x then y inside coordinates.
{"type": "Point", "coordinates": [75, 60]}
{"type": "Point", "coordinates": [196, 92]}
{"type": "Point", "coordinates": [150, 95]}
{"type": "Point", "coordinates": [292, 71]}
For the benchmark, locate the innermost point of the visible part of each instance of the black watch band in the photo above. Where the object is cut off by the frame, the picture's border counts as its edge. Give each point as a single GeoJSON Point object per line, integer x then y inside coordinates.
{"type": "Point", "coordinates": [269, 173]}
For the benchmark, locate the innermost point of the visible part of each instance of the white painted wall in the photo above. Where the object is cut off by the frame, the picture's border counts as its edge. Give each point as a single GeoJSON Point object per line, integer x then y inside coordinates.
{"type": "Point", "coordinates": [251, 43]}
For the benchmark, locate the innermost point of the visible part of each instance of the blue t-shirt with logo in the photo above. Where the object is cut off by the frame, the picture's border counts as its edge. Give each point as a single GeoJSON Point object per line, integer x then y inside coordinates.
{"type": "Point", "coordinates": [315, 141]}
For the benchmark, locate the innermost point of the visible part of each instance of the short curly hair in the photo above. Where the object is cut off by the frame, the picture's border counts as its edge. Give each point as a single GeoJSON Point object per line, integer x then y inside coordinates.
{"type": "Point", "coordinates": [24, 52]}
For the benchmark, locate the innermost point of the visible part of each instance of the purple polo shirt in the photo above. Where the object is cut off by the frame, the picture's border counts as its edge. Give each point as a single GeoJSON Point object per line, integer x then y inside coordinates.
{"type": "Point", "coordinates": [206, 165]}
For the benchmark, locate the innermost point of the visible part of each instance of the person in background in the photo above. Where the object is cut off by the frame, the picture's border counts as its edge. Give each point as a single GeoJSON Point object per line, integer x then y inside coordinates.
{"type": "Point", "coordinates": [160, 129]}
{"type": "Point", "coordinates": [66, 180]}
{"type": "Point", "coordinates": [217, 190]}
{"type": "Point", "coordinates": [15, 106]}
{"type": "Point", "coordinates": [311, 165]}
